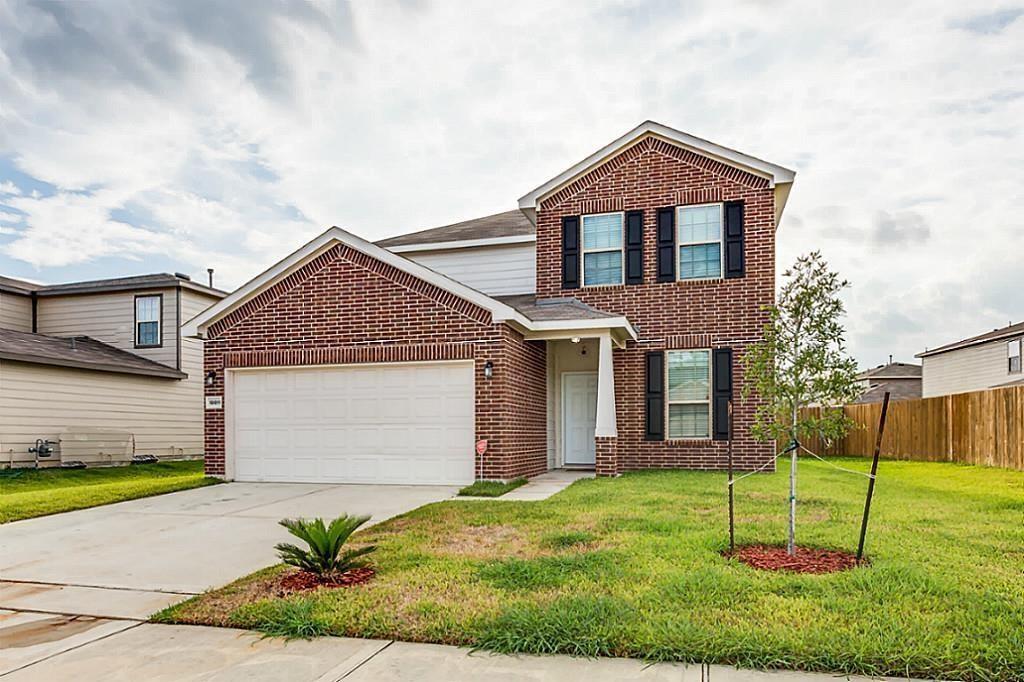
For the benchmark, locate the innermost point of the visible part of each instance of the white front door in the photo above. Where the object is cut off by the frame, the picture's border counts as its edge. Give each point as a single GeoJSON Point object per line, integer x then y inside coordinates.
{"type": "Point", "coordinates": [390, 423]}
{"type": "Point", "coordinates": [579, 417]}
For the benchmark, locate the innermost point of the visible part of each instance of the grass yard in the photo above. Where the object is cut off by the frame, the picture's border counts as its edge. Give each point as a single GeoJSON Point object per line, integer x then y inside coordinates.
{"type": "Point", "coordinates": [633, 567]}
{"type": "Point", "coordinates": [491, 488]}
{"type": "Point", "coordinates": [25, 493]}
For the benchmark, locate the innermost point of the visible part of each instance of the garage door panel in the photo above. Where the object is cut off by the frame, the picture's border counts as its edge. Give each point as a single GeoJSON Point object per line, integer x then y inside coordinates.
{"type": "Point", "coordinates": [399, 423]}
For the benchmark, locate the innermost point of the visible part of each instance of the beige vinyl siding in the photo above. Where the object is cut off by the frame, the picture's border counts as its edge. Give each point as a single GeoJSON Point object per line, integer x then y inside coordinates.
{"type": "Point", "coordinates": [968, 369]}
{"type": "Point", "coordinates": [42, 401]}
{"type": "Point", "coordinates": [164, 416]}
{"type": "Point", "coordinates": [494, 270]}
{"type": "Point", "coordinates": [15, 312]}
{"type": "Point", "coordinates": [109, 317]}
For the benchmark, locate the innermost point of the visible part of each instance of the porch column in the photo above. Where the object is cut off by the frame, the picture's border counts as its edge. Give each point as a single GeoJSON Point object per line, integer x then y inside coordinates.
{"type": "Point", "coordinates": [605, 427]}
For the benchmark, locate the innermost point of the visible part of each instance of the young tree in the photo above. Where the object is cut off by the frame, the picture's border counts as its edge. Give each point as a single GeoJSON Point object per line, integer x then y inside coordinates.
{"type": "Point", "coordinates": [802, 362]}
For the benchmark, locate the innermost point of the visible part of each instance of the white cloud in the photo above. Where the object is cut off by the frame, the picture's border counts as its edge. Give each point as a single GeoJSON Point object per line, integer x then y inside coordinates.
{"type": "Point", "coordinates": [9, 188]}
{"type": "Point", "coordinates": [228, 142]}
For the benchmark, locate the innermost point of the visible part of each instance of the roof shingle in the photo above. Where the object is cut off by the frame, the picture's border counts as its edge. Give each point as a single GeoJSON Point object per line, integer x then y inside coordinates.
{"type": "Point", "coordinates": [81, 352]}
{"type": "Point", "coordinates": [507, 224]}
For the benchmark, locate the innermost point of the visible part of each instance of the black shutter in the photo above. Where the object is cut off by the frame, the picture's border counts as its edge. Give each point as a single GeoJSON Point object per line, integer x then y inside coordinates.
{"type": "Point", "coordinates": [734, 265]}
{"type": "Point", "coordinates": [666, 244]}
{"type": "Point", "coordinates": [722, 391]}
{"type": "Point", "coordinates": [654, 396]}
{"type": "Point", "coordinates": [571, 252]}
{"type": "Point", "coordinates": [634, 247]}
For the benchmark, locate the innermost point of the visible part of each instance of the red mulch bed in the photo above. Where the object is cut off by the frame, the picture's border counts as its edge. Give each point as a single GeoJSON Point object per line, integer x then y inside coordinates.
{"type": "Point", "coordinates": [806, 559]}
{"type": "Point", "coordinates": [302, 581]}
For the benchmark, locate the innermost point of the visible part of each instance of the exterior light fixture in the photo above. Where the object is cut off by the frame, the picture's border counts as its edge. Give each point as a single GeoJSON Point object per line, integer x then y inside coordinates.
{"type": "Point", "coordinates": [575, 339]}
{"type": "Point", "coordinates": [211, 376]}
{"type": "Point", "coordinates": [488, 369]}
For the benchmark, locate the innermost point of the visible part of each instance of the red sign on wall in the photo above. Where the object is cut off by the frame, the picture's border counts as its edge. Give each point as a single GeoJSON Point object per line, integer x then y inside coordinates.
{"type": "Point", "coordinates": [481, 447]}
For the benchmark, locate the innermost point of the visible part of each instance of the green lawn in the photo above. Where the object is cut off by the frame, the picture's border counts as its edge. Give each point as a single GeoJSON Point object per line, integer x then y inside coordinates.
{"type": "Point", "coordinates": [491, 488]}
{"type": "Point", "coordinates": [25, 493]}
{"type": "Point", "coordinates": [633, 567]}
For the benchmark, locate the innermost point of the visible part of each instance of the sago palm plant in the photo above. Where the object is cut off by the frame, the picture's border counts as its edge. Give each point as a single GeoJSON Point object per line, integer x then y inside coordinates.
{"type": "Point", "coordinates": [324, 556]}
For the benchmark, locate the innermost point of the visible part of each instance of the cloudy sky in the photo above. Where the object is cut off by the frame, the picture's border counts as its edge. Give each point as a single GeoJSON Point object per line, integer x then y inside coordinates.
{"type": "Point", "coordinates": [159, 136]}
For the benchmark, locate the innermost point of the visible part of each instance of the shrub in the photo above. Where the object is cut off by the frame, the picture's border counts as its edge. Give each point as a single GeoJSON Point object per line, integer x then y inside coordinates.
{"type": "Point", "coordinates": [324, 555]}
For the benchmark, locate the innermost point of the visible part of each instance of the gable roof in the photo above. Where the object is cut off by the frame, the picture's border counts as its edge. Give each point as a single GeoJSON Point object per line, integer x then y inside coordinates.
{"type": "Point", "coordinates": [81, 352]}
{"type": "Point", "coordinates": [994, 335]}
{"type": "Point", "coordinates": [893, 370]}
{"type": "Point", "coordinates": [151, 281]}
{"type": "Point", "coordinates": [475, 232]}
{"type": "Point", "coordinates": [500, 312]}
{"type": "Point", "coordinates": [778, 177]}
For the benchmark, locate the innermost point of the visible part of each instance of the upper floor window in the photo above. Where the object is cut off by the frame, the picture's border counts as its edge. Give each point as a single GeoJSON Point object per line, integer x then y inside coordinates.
{"type": "Point", "coordinates": [602, 249]}
{"type": "Point", "coordinates": [147, 321]}
{"type": "Point", "coordinates": [1013, 349]}
{"type": "Point", "coordinates": [700, 241]}
{"type": "Point", "coordinates": [689, 393]}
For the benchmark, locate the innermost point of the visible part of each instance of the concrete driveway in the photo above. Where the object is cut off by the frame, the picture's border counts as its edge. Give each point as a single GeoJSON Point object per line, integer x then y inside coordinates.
{"type": "Point", "coordinates": [130, 559]}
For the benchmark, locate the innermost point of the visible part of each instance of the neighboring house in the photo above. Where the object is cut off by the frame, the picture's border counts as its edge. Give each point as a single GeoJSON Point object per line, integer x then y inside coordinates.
{"type": "Point", "coordinates": [985, 361]}
{"type": "Point", "coordinates": [601, 325]}
{"type": "Point", "coordinates": [99, 369]}
{"type": "Point", "coordinates": [901, 380]}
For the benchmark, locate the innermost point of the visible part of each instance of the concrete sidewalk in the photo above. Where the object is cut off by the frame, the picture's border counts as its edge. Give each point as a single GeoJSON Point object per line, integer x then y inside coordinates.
{"type": "Point", "coordinates": [127, 651]}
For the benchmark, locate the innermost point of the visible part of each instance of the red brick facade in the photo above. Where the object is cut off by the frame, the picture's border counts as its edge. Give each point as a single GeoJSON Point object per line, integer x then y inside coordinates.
{"type": "Point", "coordinates": [344, 307]}
{"type": "Point", "coordinates": [676, 315]}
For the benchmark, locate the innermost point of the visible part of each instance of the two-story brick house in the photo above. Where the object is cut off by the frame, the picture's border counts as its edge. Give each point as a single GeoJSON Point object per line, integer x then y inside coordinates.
{"type": "Point", "coordinates": [601, 325]}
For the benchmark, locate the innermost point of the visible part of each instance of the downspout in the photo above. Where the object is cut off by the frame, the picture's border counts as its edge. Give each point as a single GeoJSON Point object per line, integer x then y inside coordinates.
{"type": "Point", "coordinates": [177, 333]}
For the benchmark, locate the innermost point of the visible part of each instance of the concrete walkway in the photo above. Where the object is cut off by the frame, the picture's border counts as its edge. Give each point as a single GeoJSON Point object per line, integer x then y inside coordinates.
{"type": "Point", "coordinates": [540, 487]}
{"type": "Point", "coordinates": [124, 651]}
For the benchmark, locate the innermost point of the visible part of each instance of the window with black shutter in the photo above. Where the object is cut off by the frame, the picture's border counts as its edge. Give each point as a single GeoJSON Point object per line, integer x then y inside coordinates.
{"type": "Point", "coordinates": [634, 247]}
{"type": "Point", "coordinates": [722, 391]}
{"type": "Point", "coordinates": [571, 252]}
{"type": "Point", "coordinates": [666, 244]}
{"type": "Point", "coordinates": [734, 256]}
{"type": "Point", "coordinates": [654, 396]}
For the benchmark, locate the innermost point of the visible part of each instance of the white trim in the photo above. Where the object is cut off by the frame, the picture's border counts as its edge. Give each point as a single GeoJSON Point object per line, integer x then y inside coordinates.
{"type": "Point", "coordinates": [197, 325]}
{"type": "Point", "coordinates": [709, 402]}
{"type": "Point", "coordinates": [721, 242]}
{"type": "Point", "coordinates": [584, 250]}
{"type": "Point", "coordinates": [553, 330]}
{"type": "Point", "coordinates": [776, 175]}
{"type": "Point", "coordinates": [564, 412]}
{"type": "Point", "coordinates": [500, 312]}
{"type": "Point", "coordinates": [462, 244]}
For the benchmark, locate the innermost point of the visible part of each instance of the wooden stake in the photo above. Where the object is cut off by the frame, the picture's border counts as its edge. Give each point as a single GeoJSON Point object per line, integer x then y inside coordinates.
{"type": "Point", "coordinates": [871, 481]}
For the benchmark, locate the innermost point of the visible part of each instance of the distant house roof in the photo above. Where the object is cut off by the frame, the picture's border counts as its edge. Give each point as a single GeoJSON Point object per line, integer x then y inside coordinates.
{"type": "Point", "coordinates": [550, 309]}
{"type": "Point", "coordinates": [81, 352]}
{"type": "Point", "coordinates": [899, 389]}
{"type": "Point", "coordinates": [994, 335]}
{"type": "Point", "coordinates": [153, 281]}
{"type": "Point", "coordinates": [1015, 382]}
{"type": "Point", "coordinates": [497, 226]}
{"type": "Point", "coordinates": [893, 370]}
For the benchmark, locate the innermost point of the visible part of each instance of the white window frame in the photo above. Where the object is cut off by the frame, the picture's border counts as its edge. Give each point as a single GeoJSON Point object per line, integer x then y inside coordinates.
{"type": "Point", "coordinates": [668, 393]}
{"type": "Point", "coordinates": [622, 249]}
{"type": "Point", "coordinates": [1019, 342]}
{"type": "Point", "coordinates": [159, 321]}
{"type": "Point", "coordinates": [680, 244]}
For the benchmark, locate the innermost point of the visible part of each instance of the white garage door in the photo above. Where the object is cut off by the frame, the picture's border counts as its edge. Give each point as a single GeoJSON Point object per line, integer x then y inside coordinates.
{"type": "Point", "coordinates": [395, 423]}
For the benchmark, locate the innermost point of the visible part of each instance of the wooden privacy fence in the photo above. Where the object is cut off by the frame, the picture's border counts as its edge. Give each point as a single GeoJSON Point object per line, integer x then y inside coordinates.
{"type": "Point", "coordinates": [983, 427]}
